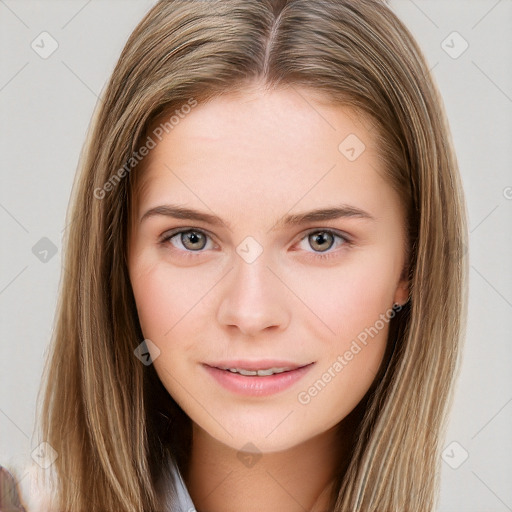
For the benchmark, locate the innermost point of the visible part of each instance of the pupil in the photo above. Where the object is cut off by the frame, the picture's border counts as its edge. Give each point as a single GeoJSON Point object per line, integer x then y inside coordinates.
{"type": "Point", "coordinates": [192, 237]}
{"type": "Point", "coordinates": [321, 238]}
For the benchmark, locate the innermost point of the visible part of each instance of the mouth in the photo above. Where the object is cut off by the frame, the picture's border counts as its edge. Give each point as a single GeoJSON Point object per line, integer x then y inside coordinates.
{"type": "Point", "coordinates": [257, 378]}
{"type": "Point", "coordinates": [262, 372]}
{"type": "Point", "coordinates": [262, 367]}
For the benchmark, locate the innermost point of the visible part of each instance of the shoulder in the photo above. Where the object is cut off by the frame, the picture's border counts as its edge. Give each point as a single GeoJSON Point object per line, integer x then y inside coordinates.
{"type": "Point", "coordinates": [34, 488]}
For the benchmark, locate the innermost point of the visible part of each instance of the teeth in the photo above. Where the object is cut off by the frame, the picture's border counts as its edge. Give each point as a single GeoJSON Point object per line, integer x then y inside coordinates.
{"type": "Point", "coordinates": [259, 373]}
{"type": "Point", "coordinates": [270, 371]}
{"type": "Point", "coordinates": [246, 372]}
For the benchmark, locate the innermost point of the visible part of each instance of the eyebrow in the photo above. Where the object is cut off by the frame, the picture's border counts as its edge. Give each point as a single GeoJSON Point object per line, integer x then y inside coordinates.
{"type": "Point", "coordinates": [319, 214]}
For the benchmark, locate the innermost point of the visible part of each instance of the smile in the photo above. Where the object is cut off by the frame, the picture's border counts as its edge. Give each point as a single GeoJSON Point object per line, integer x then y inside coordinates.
{"type": "Point", "coordinates": [259, 373]}
{"type": "Point", "coordinates": [259, 379]}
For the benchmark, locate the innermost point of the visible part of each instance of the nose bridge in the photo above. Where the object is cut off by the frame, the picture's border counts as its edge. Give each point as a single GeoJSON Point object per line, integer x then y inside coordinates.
{"type": "Point", "coordinates": [253, 299]}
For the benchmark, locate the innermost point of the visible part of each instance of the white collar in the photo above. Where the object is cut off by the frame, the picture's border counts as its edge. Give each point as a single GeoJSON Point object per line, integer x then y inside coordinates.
{"type": "Point", "coordinates": [184, 501]}
{"type": "Point", "coordinates": [35, 493]}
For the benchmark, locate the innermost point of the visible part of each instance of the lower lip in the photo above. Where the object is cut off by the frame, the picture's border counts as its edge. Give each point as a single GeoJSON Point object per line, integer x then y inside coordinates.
{"type": "Point", "coordinates": [252, 385]}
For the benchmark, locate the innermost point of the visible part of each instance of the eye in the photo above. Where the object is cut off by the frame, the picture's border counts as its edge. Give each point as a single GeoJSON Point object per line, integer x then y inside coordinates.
{"type": "Point", "coordinates": [323, 240]}
{"type": "Point", "coordinates": [190, 240]}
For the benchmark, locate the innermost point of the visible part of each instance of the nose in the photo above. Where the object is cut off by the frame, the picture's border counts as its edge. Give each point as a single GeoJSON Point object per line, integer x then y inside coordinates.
{"type": "Point", "coordinates": [253, 299]}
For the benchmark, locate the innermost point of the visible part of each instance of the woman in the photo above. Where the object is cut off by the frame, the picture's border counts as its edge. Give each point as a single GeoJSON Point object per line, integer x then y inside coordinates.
{"type": "Point", "coordinates": [207, 353]}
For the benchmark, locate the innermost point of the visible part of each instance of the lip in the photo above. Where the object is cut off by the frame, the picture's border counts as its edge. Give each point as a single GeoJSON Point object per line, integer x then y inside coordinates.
{"type": "Point", "coordinates": [249, 385]}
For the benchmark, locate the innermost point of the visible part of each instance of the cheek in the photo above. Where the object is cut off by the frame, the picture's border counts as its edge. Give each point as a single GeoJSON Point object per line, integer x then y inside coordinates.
{"type": "Point", "coordinates": [164, 296]}
{"type": "Point", "coordinates": [354, 303]}
{"type": "Point", "coordinates": [165, 302]}
{"type": "Point", "coordinates": [348, 366]}
{"type": "Point", "coordinates": [347, 299]}
{"type": "Point", "coordinates": [154, 301]}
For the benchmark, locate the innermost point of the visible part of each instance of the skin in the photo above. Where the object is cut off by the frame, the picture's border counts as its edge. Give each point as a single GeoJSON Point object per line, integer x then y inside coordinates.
{"type": "Point", "coordinates": [251, 159]}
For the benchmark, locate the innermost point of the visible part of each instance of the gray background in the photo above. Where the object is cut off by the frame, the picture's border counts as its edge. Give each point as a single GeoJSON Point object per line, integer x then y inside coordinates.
{"type": "Point", "coordinates": [46, 105]}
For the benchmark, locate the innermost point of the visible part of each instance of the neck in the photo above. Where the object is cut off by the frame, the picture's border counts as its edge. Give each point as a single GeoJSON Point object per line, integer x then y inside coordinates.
{"type": "Point", "coordinates": [298, 479]}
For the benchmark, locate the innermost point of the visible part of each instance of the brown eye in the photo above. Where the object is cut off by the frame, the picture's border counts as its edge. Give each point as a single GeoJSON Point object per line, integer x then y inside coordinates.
{"type": "Point", "coordinates": [321, 240]}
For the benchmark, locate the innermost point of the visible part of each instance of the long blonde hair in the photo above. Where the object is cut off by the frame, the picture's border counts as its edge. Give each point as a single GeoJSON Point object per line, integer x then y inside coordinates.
{"type": "Point", "coordinates": [106, 414]}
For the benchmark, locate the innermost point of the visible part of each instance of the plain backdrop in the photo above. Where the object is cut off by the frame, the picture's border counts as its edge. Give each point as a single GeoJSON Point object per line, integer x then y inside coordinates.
{"type": "Point", "coordinates": [46, 102]}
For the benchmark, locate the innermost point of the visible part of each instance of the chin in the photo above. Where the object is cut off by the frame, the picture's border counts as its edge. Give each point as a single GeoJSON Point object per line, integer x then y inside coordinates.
{"type": "Point", "coordinates": [264, 435]}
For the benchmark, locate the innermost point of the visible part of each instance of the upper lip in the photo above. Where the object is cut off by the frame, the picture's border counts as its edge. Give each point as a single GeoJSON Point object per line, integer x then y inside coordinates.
{"type": "Point", "coordinates": [262, 364]}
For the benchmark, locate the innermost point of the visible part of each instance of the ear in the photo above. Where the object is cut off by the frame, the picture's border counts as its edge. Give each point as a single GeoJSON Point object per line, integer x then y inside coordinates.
{"type": "Point", "coordinates": [402, 288]}
{"type": "Point", "coordinates": [402, 292]}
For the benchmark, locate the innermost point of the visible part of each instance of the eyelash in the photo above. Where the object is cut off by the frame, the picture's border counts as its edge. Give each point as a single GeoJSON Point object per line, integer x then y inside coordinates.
{"type": "Point", "coordinates": [165, 239]}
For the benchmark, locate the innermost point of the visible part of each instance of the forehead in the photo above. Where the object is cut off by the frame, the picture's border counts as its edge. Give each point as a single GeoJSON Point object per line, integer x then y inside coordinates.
{"type": "Point", "coordinates": [281, 147]}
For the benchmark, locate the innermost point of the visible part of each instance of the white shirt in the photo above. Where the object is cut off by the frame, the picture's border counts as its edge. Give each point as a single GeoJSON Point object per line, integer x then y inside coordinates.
{"type": "Point", "coordinates": [185, 503]}
{"type": "Point", "coordinates": [35, 494]}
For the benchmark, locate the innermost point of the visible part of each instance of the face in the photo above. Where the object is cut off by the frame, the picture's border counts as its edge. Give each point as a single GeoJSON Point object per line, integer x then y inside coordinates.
{"type": "Point", "coordinates": [232, 268]}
